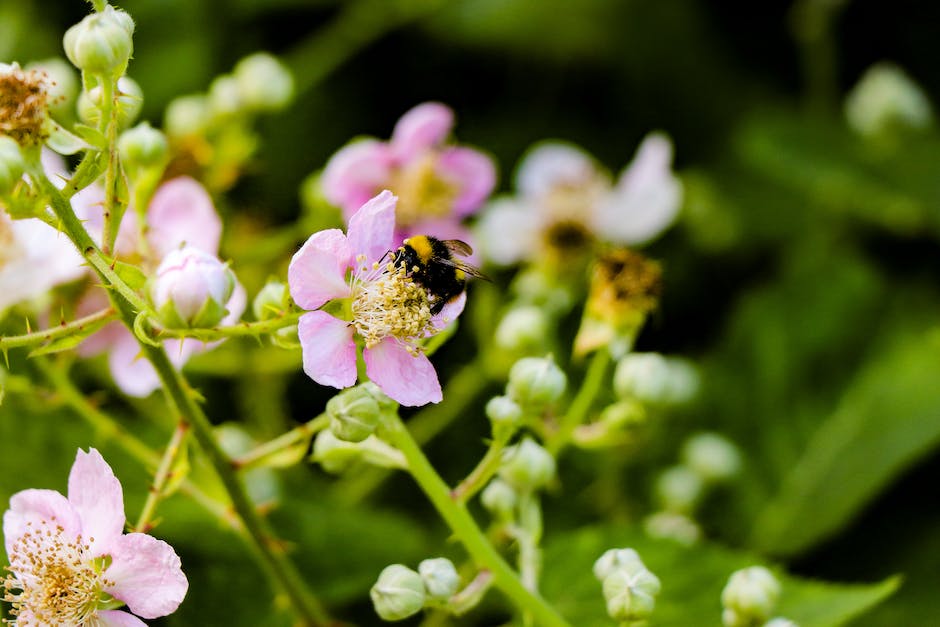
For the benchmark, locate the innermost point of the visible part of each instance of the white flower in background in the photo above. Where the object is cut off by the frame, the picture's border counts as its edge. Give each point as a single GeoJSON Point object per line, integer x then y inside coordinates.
{"type": "Point", "coordinates": [886, 98]}
{"type": "Point", "coordinates": [565, 200]}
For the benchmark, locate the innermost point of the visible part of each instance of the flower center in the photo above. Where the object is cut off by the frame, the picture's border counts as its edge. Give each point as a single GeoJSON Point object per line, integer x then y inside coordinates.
{"type": "Point", "coordinates": [52, 580]}
{"type": "Point", "coordinates": [23, 101]}
{"type": "Point", "coordinates": [422, 192]}
{"type": "Point", "coordinates": [625, 282]}
{"type": "Point", "coordinates": [386, 302]}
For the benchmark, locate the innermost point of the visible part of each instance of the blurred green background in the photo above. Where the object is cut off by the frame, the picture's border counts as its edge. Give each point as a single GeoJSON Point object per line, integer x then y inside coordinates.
{"type": "Point", "coordinates": [802, 277]}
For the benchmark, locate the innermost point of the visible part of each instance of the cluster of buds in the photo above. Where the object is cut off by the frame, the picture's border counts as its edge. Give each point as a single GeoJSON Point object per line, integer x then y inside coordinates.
{"type": "Point", "coordinates": [749, 599]}
{"type": "Point", "coordinates": [401, 592]}
{"type": "Point", "coordinates": [654, 379]}
{"type": "Point", "coordinates": [630, 589]}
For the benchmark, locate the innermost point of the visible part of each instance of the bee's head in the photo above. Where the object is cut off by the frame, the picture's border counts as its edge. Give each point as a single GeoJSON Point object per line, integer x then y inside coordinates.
{"type": "Point", "coordinates": [422, 246]}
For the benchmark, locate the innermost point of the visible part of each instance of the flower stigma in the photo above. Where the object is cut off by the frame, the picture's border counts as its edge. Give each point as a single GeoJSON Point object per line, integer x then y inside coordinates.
{"type": "Point", "coordinates": [23, 102]}
{"type": "Point", "coordinates": [51, 579]}
{"type": "Point", "coordinates": [386, 302]}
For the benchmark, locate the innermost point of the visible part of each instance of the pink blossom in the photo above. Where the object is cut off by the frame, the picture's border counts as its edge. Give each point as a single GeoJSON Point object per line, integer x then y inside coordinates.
{"type": "Point", "coordinates": [435, 182]}
{"type": "Point", "coordinates": [69, 556]}
{"type": "Point", "coordinates": [387, 312]}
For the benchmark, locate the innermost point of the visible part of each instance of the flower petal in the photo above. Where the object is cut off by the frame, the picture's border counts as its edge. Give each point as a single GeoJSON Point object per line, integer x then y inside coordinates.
{"type": "Point", "coordinates": [96, 495]}
{"type": "Point", "coordinates": [317, 271]}
{"type": "Point", "coordinates": [474, 174]}
{"type": "Point", "coordinates": [329, 352]}
{"type": "Point", "coordinates": [182, 212]}
{"type": "Point", "coordinates": [355, 173]}
{"type": "Point", "coordinates": [29, 507]}
{"type": "Point", "coordinates": [422, 127]}
{"type": "Point", "coordinates": [409, 379]}
{"type": "Point", "coordinates": [117, 618]}
{"type": "Point", "coordinates": [550, 164]}
{"type": "Point", "coordinates": [508, 231]}
{"type": "Point", "coordinates": [147, 575]}
{"type": "Point", "coordinates": [450, 311]}
{"type": "Point", "coordinates": [647, 197]}
{"type": "Point", "coordinates": [372, 229]}
{"type": "Point", "coordinates": [132, 373]}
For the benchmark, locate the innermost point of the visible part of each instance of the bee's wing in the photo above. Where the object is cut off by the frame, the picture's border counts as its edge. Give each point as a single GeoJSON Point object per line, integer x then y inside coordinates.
{"type": "Point", "coordinates": [458, 247]}
{"type": "Point", "coordinates": [464, 266]}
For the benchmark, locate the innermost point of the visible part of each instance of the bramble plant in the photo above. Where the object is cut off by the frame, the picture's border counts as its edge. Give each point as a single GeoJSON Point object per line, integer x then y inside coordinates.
{"type": "Point", "coordinates": [118, 237]}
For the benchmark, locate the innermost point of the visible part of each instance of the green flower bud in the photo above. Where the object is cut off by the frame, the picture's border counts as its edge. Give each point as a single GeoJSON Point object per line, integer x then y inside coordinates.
{"type": "Point", "coordinates": [527, 466]}
{"type": "Point", "coordinates": [440, 578]}
{"type": "Point", "coordinates": [523, 328]}
{"type": "Point", "coordinates": [621, 414]}
{"type": "Point", "coordinates": [679, 489]}
{"type": "Point", "coordinates": [505, 416]}
{"type": "Point", "coordinates": [536, 381]}
{"type": "Point", "coordinates": [186, 115]}
{"type": "Point", "coordinates": [627, 560]}
{"type": "Point", "coordinates": [631, 596]}
{"type": "Point", "coordinates": [62, 86]}
{"type": "Point", "coordinates": [711, 456]}
{"type": "Point", "coordinates": [11, 164]}
{"type": "Point", "coordinates": [354, 414]}
{"type": "Point", "coordinates": [102, 43]}
{"type": "Point", "coordinates": [192, 288]}
{"type": "Point", "coordinates": [336, 455]}
{"type": "Point", "coordinates": [224, 97]}
{"type": "Point", "coordinates": [749, 596]}
{"type": "Point", "coordinates": [887, 99]}
{"type": "Point", "coordinates": [129, 102]}
{"type": "Point", "coordinates": [264, 84]}
{"type": "Point", "coordinates": [143, 147]}
{"type": "Point", "coordinates": [652, 378]}
{"type": "Point", "coordinates": [386, 404]}
{"type": "Point", "coordinates": [499, 498]}
{"type": "Point", "coordinates": [671, 526]}
{"type": "Point", "coordinates": [271, 301]}
{"type": "Point", "coordinates": [779, 621]}
{"type": "Point", "coordinates": [398, 593]}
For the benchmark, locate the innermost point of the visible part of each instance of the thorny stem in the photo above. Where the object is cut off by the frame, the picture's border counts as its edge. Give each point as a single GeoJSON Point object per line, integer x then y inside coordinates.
{"type": "Point", "coordinates": [466, 530]}
{"type": "Point", "coordinates": [482, 473]}
{"type": "Point", "coordinates": [162, 476]}
{"type": "Point", "coordinates": [236, 330]}
{"type": "Point", "coordinates": [257, 455]}
{"type": "Point", "coordinates": [577, 411]}
{"type": "Point", "coordinates": [86, 325]}
{"type": "Point", "coordinates": [113, 210]}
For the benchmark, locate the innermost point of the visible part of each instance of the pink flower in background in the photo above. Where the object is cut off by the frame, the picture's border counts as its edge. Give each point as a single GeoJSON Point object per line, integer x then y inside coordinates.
{"type": "Point", "coordinates": [387, 311]}
{"type": "Point", "coordinates": [563, 194]}
{"type": "Point", "coordinates": [437, 184]}
{"type": "Point", "coordinates": [71, 563]}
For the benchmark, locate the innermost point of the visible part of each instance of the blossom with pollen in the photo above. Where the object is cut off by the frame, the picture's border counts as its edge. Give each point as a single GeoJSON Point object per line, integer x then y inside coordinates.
{"type": "Point", "coordinates": [375, 302]}
{"type": "Point", "coordinates": [71, 563]}
{"type": "Point", "coordinates": [23, 100]}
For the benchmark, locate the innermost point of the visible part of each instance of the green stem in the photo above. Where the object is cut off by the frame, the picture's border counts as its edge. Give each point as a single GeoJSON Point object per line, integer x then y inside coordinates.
{"type": "Point", "coordinates": [236, 330]}
{"type": "Point", "coordinates": [467, 531]}
{"type": "Point", "coordinates": [113, 212]}
{"type": "Point", "coordinates": [83, 326]}
{"type": "Point", "coordinates": [482, 473]}
{"type": "Point", "coordinates": [577, 411]}
{"type": "Point", "coordinates": [162, 476]}
{"type": "Point", "coordinates": [256, 456]}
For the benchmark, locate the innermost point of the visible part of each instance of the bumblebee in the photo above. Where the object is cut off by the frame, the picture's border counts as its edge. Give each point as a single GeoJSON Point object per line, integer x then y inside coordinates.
{"type": "Point", "coordinates": [433, 264]}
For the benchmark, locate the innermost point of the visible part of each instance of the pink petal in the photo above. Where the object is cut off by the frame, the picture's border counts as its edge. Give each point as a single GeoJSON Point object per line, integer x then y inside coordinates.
{"type": "Point", "coordinates": [117, 618]}
{"type": "Point", "coordinates": [550, 164]}
{"type": "Point", "coordinates": [409, 379]}
{"type": "Point", "coordinates": [317, 272]}
{"type": "Point", "coordinates": [131, 371]}
{"type": "Point", "coordinates": [474, 174]}
{"type": "Point", "coordinates": [96, 495]}
{"type": "Point", "coordinates": [355, 173]}
{"type": "Point", "coordinates": [329, 352]}
{"type": "Point", "coordinates": [29, 507]}
{"type": "Point", "coordinates": [182, 212]}
{"type": "Point", "coordinates": [372, 229]}
{"type": "Point", "coordinates": [425, 126]}
{"type": "Point", "coordinates": [450, 311]}
{"type": "Point", "coordinates": [147, 575]}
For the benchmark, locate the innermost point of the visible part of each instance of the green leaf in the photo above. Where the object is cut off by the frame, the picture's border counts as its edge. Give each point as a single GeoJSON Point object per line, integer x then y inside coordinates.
{"type": "Point", "coordinates": [889, 417]}
{"type": "Point", "coordinates": [130, 274]}
{"type": "Point", "coordinates": [692, 581]}
{"type": "Point", "coordinates": [61, 344]}
{"type": "Point", "coordinates": [61, 140]}
{"type": "Point", "coordinates": [91, 135]}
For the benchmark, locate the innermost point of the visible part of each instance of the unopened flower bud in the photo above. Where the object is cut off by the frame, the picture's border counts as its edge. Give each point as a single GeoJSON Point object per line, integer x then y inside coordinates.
{"type": "Point", "coordinates": [653, 378]}
{"type": "Point", "coordinates": [354, 414]}
{"type": "Point", "coordinates": [129, 103]}
{"type": "Point", "coordinates": [440, 578]}
{"type": "Point", "coordinates": [386, 404]}
{"type": "Point", "coordinates": [631, 596]}
{"type": "Point", "coordinates": [711, 456]}
{"type": "Point", "coordinates": [527, 466]}
{"type": "Point", "coordinates": [186, 115]}
{"type": "Point", "coordinates": [672, 526]}
{"type": "Point", "coordinates": [522, 328]}
{"type": "Point", "coordinates": [779, 621]}
{"type": "Point", "coordinates": [271, 301]}
{"type": "Point", "coordinates": [886, 98]}
{"type": "Point", "coordinates": [536, 381]}
{"type": "Point", "coordinates": [499, 498]}
{"type": "Point", "coordinates": [398, 593]}
{"type": "Point", "coordinates": [192, 288]}
{"type": "Point", "coordinates": [143, 147]}
{"type": "Point", "coordinates": [749, 596]}
{"type": "Point", "coordinates": [11, 164]}
{"type": "Point", "coordinates": [505, 416]}
{"type": "Point", "coordinates": [336, 455]}
{"type": "Point", "coordinates": [224, 97]}
{"type": "Point", "coordinates": [621, 414]}
{"type": "Point", "coordinates": [617, 559]}
{"type": "Point", "coordinates": [102, 43]}
{"type": "Point", "coordinates": [679, 489]}
{"type": "Point", "coordinates": [264, 84]}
